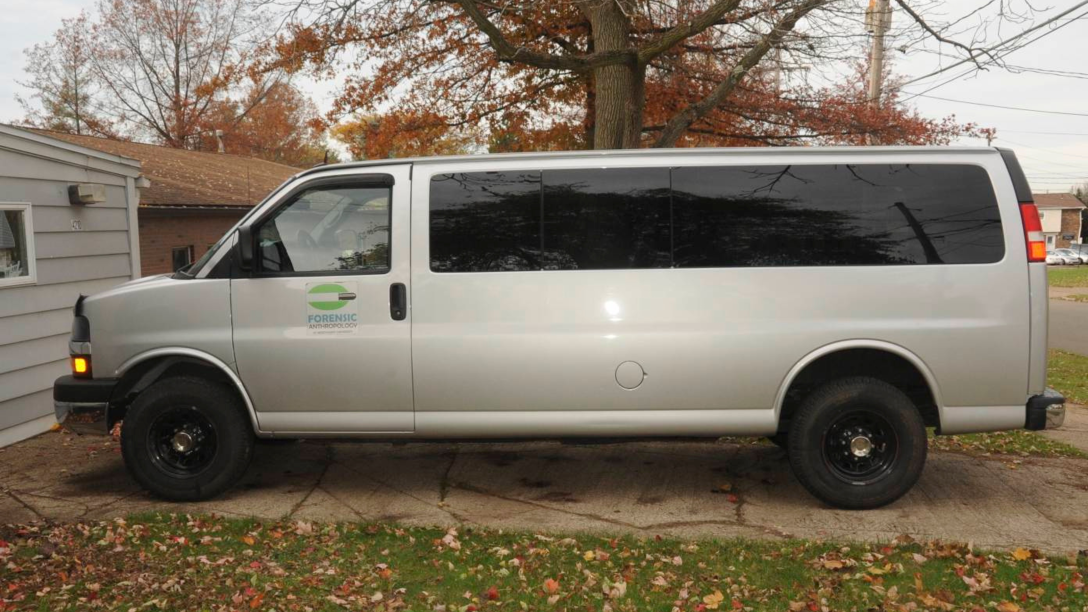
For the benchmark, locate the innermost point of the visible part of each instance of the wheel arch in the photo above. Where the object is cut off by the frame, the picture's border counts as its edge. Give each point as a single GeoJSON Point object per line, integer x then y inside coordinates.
{"type": "Point", "coordinates": [140, 371]}
{"type": "Point", "coordinates": [845, 347]}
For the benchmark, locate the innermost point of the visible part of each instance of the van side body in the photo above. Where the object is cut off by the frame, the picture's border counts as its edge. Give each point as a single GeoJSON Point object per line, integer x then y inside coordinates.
{"type": "Point", "coordinates": [618, 321]}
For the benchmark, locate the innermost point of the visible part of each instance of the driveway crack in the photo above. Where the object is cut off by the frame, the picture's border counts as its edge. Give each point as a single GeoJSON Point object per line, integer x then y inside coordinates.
{"type": "Point", "coordinates": [329, 459]}
{"type": "Point", "coordinates": [444, 483]}
{"type": "Point", "coordinates": [26, 505]}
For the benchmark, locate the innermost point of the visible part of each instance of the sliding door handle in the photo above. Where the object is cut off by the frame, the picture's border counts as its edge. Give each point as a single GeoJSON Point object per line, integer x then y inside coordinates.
{"type": "Point", "coordinates": [398, 301]}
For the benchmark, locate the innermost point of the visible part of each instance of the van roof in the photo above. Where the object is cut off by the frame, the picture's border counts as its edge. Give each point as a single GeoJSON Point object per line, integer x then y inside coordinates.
{"type": "Point", "coordinates": [603, 154]}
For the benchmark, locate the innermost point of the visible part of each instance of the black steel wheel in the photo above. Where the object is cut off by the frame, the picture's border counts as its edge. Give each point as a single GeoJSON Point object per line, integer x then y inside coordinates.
{"type": "Point", "coordinates": [857, 443]}
{"type": "Point", "coordinates": [182, 441]}
{"type": "Point", "coordinates": [860, 446]}
{"type": "Point", "coordinates": [187, 439]}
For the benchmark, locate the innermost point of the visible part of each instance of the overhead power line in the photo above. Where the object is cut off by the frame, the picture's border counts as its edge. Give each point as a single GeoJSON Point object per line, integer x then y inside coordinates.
{"type": "Point", "coordinates": [1046, 133]}
{"type": "Point", "coordinates": [999, 106]}
{"type": "Point", "coordinates": [1003, 43]}
{"type": "Point", "coordinates": [1051, 151]}
{"type": "Point", "coordinates": [993, 58]}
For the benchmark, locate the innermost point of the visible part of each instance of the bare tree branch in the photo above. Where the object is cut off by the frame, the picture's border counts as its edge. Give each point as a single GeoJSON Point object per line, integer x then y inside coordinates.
{"type": "Point", "coordinates": [683, 120]}
{"type": "Point", "coordinates": [671, 38]}
{"type": "Point", "coordinates": [509, 53]}
{"type": "Point", "coordinates": [971, 51]}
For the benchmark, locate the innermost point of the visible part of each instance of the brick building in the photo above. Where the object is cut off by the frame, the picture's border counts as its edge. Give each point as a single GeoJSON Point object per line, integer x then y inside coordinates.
{"type": "Point", "coordinates": [193, 199]}
{"type": "Point", "coordinates": [1060, 214]}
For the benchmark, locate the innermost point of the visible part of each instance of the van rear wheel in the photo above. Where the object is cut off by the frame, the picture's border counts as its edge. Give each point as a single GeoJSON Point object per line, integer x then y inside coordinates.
{"type": "Point", "coordinates": [186, 439]}
{"type": "Point", "coordinates": [857, 443]}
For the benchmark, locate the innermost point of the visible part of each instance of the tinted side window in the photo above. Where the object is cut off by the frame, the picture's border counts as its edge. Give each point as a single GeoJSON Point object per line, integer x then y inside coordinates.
{"type": "Point", "coordinates": [606, 219]}
{"type": "Point", "coordinates": [834, 215]}
{"type": "Point", "coordinates": [485, 221]}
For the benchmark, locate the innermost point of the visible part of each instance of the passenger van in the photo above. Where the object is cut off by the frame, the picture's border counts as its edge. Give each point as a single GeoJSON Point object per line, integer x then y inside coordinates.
{"type": "Point", "coordinates": [839, 301]}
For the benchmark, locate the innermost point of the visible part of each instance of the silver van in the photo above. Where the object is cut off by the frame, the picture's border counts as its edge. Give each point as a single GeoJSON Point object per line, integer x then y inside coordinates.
{"type": "Point", "coordinates": [839, 301]}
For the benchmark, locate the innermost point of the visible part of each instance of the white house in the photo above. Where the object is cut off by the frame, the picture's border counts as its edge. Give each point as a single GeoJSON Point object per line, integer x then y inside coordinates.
{"type": "Point", "coordinates": [1060, 214]}
{"type": "Point", "coordinates": [68, 226]}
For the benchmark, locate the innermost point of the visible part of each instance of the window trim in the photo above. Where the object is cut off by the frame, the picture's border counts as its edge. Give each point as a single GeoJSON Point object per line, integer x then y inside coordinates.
{"type": "Point", "coordinates": [190, 251]}
{"type": "Point", "coordinates": [329, 182]}
{"type": "Point", "coordinates": [31, 277]}
{"type": "Point", "coordinates": [992, 180]}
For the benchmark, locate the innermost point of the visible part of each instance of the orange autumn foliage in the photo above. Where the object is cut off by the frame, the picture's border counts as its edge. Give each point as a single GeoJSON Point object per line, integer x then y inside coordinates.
{"type": "Point", "coordinates": [532, 75]}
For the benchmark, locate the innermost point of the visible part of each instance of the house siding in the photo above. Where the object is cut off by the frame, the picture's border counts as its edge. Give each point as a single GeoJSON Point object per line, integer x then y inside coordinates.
{"type": "Point", "coordinates": [78, 249]}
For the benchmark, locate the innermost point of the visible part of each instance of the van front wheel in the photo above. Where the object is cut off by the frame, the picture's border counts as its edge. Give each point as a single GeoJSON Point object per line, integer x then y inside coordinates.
{"type": "Point", "coordinates": [857, 443]}
{"type": "Point", "coordinates": [186, 439]}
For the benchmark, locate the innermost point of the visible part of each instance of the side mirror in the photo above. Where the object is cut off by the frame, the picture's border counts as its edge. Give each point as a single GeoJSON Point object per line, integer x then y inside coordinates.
{"type": "Point", "coordinates": [245, 247]}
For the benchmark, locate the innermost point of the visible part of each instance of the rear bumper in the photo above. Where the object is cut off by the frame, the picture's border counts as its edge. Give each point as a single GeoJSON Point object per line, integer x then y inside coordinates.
{"type": "Point", "coordinates": [1046, 411]}
{"type": "Point", "coordinates": [82, 405]}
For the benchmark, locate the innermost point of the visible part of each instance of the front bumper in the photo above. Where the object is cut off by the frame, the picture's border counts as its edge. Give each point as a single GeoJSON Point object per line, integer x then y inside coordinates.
{"type": "Point", "coordinates": [83, 405]}
{"type": "Point", "coordinates": [1046, 411]}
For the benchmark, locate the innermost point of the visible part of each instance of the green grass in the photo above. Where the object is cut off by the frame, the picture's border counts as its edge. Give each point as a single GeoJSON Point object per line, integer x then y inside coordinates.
{"type": "Point", "coordinates": [1073, 276]}
{"type": "Point", "coordinates": [1016, 442]}
{"type": "Point", "coordinates": [1068, 374]}
{"type": "Point", "coordinates": [177, 562]}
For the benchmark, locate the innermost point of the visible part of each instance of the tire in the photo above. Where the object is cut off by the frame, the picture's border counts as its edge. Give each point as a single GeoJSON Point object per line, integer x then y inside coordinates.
{"type": "Point", "coordinates": [210, 447]}
{"type": "Point", "coordinates": [839, 422]}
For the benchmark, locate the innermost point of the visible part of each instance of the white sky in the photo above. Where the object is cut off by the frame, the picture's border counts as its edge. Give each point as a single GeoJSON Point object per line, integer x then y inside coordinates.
{"type": "Point", "coordinates": [1053, 162]}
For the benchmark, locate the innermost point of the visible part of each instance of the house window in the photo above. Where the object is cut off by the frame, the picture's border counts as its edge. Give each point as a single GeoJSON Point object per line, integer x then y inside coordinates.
{"type": "Point", "coordinates": [1049, 241]}
{"type": "Point", "coordinates": [16, 245]}
{"type": "Point", "coordinates": [182, 257]}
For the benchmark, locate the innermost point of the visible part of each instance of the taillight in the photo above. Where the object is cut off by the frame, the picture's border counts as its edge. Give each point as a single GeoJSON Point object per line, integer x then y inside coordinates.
{"type": "Point", "coordinates": [1033, 232]}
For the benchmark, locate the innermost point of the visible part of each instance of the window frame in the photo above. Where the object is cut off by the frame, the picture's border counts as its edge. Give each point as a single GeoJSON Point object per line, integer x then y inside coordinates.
{"type": "Point", "coordinates": [31, 277]}
{"type": "Point", "coordinates": [189, 250]}
{"type": "Point", "coordinates": [699, 163]}
{"type": "Point", "coordinates": [381, 180]}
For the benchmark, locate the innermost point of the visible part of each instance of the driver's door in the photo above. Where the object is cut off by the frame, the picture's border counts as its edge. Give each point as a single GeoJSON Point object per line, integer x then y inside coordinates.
{"type": "Point", "coordinates": [321, 328]}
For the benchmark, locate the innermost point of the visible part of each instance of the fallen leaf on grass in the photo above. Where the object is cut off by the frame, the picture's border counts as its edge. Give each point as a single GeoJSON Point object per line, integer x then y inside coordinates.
{"type": "Point", "coordinates": [551, 586]}
{"type": "Point", "coordinates": [1021, 554]}
{"type": "Point", "coordinates": [714, 600]}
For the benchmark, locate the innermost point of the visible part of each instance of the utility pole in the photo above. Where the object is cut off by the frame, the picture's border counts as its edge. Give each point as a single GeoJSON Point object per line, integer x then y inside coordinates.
{"type": "Point", "coordinates": [778, 71]}
{"type": "Point", "coordinates": [878, 19]}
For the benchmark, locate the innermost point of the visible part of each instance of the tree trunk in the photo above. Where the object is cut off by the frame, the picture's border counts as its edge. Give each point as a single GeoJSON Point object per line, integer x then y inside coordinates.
{"type": "Point", "coordinates": [618, 88]}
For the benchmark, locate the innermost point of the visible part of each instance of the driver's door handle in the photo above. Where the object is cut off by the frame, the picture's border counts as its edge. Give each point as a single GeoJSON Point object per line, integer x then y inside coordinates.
{"type": "Point", "coordinates": [398, 301]}
{"type": "Point", "coordinates": [347, 297]}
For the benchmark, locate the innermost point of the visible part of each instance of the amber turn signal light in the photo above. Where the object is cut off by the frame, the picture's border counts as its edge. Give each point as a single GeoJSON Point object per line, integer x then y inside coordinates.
{"type": "Point", "coordinates": [81, 366]}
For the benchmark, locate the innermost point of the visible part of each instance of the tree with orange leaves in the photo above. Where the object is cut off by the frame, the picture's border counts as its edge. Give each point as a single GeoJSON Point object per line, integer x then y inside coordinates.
{"type": "Point", "coordinates": [278, 124]}
{"type": "Point", "coordinates": [604, 73]}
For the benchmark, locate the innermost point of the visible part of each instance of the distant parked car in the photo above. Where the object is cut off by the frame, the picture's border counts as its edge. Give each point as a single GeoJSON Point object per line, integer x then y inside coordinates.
{"type": "Point", "coordinates": [1081, 250]}
{"type": "Point", "coordinates": [1069, 256]}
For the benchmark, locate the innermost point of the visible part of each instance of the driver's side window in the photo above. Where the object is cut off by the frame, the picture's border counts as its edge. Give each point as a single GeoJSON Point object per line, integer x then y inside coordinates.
{"type": "Point", "coordinates": [332, 228]}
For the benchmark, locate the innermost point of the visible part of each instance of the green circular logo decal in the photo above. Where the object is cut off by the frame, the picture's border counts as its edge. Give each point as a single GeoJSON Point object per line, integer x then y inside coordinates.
{"type": "Point", "coordinates": [327, 297]}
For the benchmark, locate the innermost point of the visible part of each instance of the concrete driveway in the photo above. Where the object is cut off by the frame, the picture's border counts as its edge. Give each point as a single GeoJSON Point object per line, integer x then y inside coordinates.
{"type": "Point", "coordinates": [647, 488]}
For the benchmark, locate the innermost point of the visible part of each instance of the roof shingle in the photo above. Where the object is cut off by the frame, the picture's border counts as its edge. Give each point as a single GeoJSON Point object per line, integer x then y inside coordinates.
{"type": "Point", "coordinates": [192, 178]}
{"type": "Point", "coordinates": [1057, 200]}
